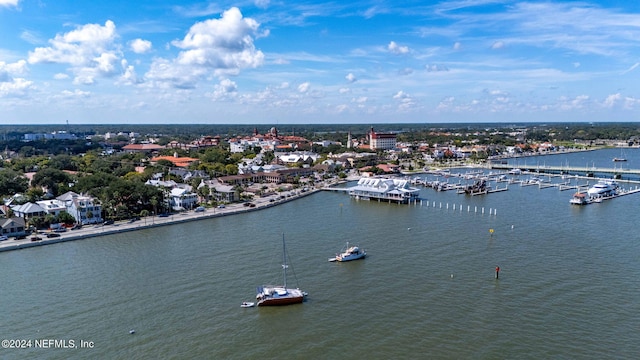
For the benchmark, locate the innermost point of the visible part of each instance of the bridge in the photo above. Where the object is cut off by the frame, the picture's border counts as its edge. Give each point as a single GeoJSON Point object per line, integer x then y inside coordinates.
{"type": "Point", "coordinates": [567, 169]}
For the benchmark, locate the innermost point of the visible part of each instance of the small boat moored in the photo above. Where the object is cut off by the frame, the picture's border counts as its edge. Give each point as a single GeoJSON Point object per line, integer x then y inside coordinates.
{"type": "Point", "coordinates": [247, 304]}
{"type": "Point", "coordinates": [351, 253]}
{"type": "Point", "coordinates": [579, 198]}
{"type": "Point", "coordinates": [277, 295]}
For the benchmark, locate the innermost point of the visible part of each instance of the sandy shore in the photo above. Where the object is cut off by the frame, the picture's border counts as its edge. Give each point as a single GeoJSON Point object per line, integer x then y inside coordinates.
{"type": "Point", "coordinates": [92, 231]}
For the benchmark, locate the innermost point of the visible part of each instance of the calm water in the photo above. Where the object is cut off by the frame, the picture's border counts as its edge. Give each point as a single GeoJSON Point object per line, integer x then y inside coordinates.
{"type": "Point", "coordinates": [569, 284]}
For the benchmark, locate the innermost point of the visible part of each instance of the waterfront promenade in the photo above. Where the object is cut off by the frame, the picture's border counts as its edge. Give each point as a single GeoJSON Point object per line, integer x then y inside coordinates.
{"type": "Point", "coordinates": [92, 231]}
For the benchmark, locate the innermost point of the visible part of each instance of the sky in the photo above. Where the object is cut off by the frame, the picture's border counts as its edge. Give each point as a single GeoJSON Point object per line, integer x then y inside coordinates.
{"type": "Point", "coordinates": [315, 62]}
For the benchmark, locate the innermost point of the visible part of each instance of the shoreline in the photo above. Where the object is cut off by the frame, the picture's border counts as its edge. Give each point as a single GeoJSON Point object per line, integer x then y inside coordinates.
{"type": "Point", "coordinates": [88, 231]}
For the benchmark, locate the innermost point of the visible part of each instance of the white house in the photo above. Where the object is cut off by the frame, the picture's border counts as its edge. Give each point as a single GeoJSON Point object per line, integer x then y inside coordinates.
{"type": "Point", "coordinates": [220, 192]}
{"type": "Point", "coordinates": [296, 157]}
{"type": "Point", "coordinates": [53, 207]}
{"type": "Point", "coordinates": [85, 209]}
{"type": "Point", "coordinates": [181, 198]}
{"type": "Point", "coordinates": [28, 210]}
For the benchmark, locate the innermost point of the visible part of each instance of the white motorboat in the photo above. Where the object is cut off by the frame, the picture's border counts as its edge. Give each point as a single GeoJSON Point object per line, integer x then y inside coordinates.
{"type": "Point", "coordinates": [351, 253]}
{"type": "Point", "coordinates": [603, 188]}
{"type": "Point", "coordinates": [579, 198]}
{"type": "Point", "coordinates": [247, 304]}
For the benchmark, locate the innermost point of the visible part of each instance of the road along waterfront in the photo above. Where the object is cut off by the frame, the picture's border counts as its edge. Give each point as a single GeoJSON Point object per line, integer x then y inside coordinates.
{"type": "Point", "coordinates": [92, 231]}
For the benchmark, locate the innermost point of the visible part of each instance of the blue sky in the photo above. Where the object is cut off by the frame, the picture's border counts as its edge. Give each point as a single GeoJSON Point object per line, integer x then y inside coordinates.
{"type": "Point", "coordinates": [362, 61]}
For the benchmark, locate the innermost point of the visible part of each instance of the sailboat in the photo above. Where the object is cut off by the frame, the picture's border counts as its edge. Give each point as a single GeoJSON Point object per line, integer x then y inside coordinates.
{"type": "Point", "coordinates": [621, 158]}
{"type": "Point", "coordinates": [275, 295]}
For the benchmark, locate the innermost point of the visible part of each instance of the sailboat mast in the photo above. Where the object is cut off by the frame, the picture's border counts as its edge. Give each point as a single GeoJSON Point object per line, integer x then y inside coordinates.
{"type": "Point", "coordinates": [284, 262]}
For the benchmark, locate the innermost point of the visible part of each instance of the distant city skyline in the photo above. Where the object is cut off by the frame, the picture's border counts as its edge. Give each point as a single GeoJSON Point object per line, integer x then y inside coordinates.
{"type": "Point", "coordinates": [310, 62]}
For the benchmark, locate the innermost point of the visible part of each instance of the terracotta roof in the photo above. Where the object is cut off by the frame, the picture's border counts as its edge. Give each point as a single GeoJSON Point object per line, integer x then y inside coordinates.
{"type": "Point", "coordinates": [177, 161]}
{"type": "Point", "coordinates": [142, 147]}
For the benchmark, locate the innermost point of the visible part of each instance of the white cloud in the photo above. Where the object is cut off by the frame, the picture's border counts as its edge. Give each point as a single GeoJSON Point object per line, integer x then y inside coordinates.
{"type": "Point", "coordinates": [373, 11]}
{"type": "Point", "coordinates": [612, 100]}
{"type": "Point", "coordinates": [224, 89]}
{"type": "Point", "coordinates": [342, 108]}
{"type": "Point", "coordinates": [16, 87]}
{"type": "Point", "coordinates": [497, 45]}
{"type": "Point", "coordinates": [633, 67]}
{"type": "Point", "coordinates": [84, 78]}
{"type": "Point", "coordinates": [224, 44]}
{"type": "Point", "coordinates": [216, 47]}
{"type": "Point", "coordinates": [16, 68]}
{"type": "Point", "coordinates": [76, 47]}
{"type": "Point", "coordinates": [89, 49]}
{"type": "Point", "coordinates": [351, 78]}
{"type": "Point", "coordinates": [495, 92]}
{"type": "Point", "coordinates": [140, 46]}
{"type": "Point", "coordinates": [11, 82]}
{"type": "Point", "coordinates": [405, 71]}
{"type": "Point", "coordinates": [448, 103]}
{"type": "Point", "coordinates": [166, 73]}
{"type": "Point", "coordinates": [129, 76]}
{"type": "Point", "coordinates": [30, 37]}
{"type": "Point", "coordinates": [304, 87]}
{"type": "Point", "coordinates": [400, 95]}
{"type": "Point", "coordinates": [571, 104]}
{"type": "Point", "coordinates": [105, 63]}
{"type": "Point", "coordinates": [436, 68]}
{"type": "Point", "coordinates": [394, 48]}
{"type": "Point", "coordinates": [263, 4]}
{"type": "Point", "coordinates": [61, 76]}
{"type": "Point", "coordinates": [9, 3]}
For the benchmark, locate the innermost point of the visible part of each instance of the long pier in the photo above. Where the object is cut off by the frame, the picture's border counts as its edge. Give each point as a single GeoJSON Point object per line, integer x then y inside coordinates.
{"type": "Point", "coordinates": [566, 169]}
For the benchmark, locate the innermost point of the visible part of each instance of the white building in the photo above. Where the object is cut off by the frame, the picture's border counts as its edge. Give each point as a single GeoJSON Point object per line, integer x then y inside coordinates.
{"type": "Point", "coordinates": [381, 141]}
{"type": "Point", "coordinates": [28, 210]}
{"type": "Point", "coordinates": [240, 145]}
{"type": "Point", "coordinates": [182, 198]}
{"type": "Point", "coordinates": [297, 157]}
{"type": "Point", "coordinates": [85, 209]}
{"type": "Point", "coordinates": [53, 207]}
{"type": "Point", "coordinates": [391, 190]}
{"type": "Point", "coordinates": [219, 192]}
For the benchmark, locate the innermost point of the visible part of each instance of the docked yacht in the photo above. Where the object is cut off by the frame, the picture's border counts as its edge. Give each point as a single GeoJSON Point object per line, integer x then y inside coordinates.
{"type": "Point", "coordinates": [603, 188]}
{"type": "Point", "coordinates": [579, 198]}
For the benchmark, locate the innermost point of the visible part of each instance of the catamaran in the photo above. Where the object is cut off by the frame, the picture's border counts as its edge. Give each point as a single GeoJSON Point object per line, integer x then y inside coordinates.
{"type": "Point", "coordinates": [274, 295]}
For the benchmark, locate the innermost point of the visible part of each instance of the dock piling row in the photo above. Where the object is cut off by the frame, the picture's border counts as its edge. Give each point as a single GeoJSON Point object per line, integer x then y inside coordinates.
{"type": "Point", "coordinates": [453, 206]}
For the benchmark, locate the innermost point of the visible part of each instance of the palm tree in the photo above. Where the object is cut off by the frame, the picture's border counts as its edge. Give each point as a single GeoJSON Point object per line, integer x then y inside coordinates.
{"type": "Point", "coordinates": [154, 203]}
{"type": "Point", "coordinates": [144, 213]}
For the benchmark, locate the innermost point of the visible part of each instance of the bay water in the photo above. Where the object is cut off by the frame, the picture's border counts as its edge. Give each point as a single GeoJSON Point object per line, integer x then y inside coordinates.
{"type": "Point", "coordinates": [569, 284]}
